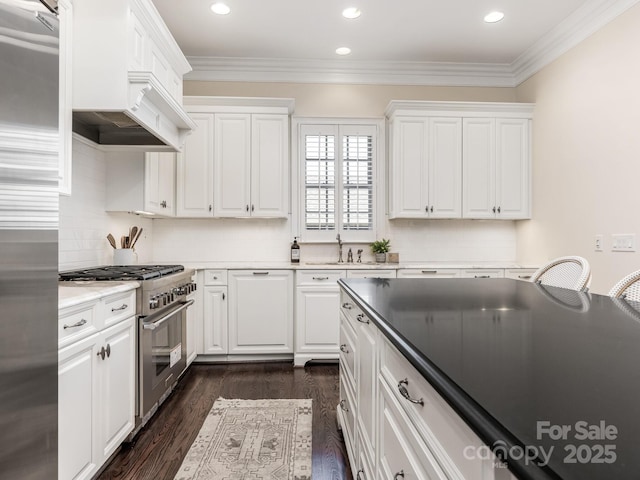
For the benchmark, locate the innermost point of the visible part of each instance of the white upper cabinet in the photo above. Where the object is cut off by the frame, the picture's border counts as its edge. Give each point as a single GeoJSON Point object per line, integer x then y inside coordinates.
{"type": "Point", "coordinates": [425, 167]}
{"type": "Point", "coordinates": [160, 178]}
{"type": "Point", "coordinates": [459, 160]}
{"type": "Point", "coordinates": [496, 163]}
{"type": "Point", "coordinates": [195, 170]}
{"type": "Point", "coordinates": [236, 163]}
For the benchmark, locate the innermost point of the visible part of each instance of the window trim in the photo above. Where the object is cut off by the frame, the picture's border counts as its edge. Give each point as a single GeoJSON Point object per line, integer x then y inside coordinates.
{"type": "Point", "coordinates": [376, 127]}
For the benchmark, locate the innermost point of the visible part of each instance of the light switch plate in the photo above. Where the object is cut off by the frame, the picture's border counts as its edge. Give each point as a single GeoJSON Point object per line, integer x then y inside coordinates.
{"type": "Point", "coordinates": [598, 243]}
{"type": "Point", "coordinates": [623, 242]}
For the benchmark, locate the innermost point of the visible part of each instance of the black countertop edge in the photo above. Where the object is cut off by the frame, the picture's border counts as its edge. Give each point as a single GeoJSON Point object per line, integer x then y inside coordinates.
{"type": "Point", "coordinates": [477, 418]}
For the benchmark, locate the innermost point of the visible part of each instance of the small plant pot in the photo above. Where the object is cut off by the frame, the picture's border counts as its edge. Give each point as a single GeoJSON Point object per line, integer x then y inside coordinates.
{"type": "Point", "coordinates": [381, 257]}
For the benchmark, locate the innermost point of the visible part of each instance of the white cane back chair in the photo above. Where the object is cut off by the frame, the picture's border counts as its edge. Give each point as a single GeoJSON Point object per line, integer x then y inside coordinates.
{"type": "Point", "coordinates": [628, 288]}
{"type": "Point", "coordinates": [566, 272]}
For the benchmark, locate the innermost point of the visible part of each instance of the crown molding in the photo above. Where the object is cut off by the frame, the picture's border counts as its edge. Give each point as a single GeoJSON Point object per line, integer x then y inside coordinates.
{"type": "Point", "coordinates": [585, 21]}
{"type": "Point", "coordinates": [580, 25]}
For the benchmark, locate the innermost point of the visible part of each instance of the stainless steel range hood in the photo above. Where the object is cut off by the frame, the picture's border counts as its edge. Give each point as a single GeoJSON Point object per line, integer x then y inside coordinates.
{"type": "Point", "coordinates": [127, 77]}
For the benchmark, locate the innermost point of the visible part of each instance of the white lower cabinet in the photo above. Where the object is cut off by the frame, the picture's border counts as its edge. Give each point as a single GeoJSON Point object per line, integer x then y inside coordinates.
{"type": "Point", "coordinates": [260, 311]}
{"type": "Point", "coordinates": [96, 391]}
{"type": "Point", "coordinates": [317, 315]}
{"type": "Point", "coordinates": [214, 331]}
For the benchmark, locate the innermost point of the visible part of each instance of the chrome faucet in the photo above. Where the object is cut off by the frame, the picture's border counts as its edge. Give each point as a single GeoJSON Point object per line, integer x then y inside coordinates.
{"type": "Point", "coordinates": [349, 256]}
{"type": "Point", "coordinates": [340, 260]}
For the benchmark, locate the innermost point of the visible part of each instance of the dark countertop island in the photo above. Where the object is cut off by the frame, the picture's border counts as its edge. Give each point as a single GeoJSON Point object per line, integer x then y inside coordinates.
{"type": "Point", "coordinates": [531, 368]}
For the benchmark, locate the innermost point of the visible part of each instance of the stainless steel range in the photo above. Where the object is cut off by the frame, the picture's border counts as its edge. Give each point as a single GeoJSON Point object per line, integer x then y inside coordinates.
{"type": "Point", "coordinates": [161, 311]}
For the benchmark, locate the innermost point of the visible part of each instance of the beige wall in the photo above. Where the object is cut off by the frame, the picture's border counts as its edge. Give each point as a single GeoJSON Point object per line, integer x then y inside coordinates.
{"type": "Point", "coordinates": [325, 100]}
{"type": "Point", "coordinates": [586, 152]}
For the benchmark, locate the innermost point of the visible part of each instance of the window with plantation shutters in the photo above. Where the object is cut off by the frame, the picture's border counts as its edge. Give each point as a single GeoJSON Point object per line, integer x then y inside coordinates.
{"type": "Point", "coordinates": [337, 175]}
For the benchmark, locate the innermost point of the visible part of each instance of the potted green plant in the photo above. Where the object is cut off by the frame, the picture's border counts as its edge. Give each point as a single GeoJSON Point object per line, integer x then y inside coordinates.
{"type": "Point", "coordinates": [380, 249]}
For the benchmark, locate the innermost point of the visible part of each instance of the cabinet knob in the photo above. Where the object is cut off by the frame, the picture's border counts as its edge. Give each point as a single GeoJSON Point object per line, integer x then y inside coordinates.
{"type": "Point", "coordinates": [163, 204]}
{"type": "Point", "coordinates": [108, 350]}
{"type": "Point", "coordinates": [252, 208]}
{"type": "Point", "coordinates": [498, 209]}
{"type": "Point", "coordinates": [210, 207]}
{"type": "Point", "coordinates": [342, 406]}
{"type": "Point", "coordinates": [343, 348]}
{"type": "Point", "coordinates": [494, 209]}
{"type": "Point", "coordinates": [398, 475]}
{"type": "Point", "coordinates": [247, 208]}
{"type": "Point", "coordinates": [223, 296]}
{"type": "Point", "coordinates": [431, 209]}
{"type": "Point", "coordinates": [101, 353]}
{"type": "Point", "coordinates": [361, 318]}
{"type": "Point", "coordinates": [347, 306]}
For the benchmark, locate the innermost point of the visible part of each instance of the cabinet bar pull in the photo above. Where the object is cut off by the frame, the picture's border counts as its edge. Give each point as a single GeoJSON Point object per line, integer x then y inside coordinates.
{"type": "Point", "coordinates": [342, 402]}
{"type": "Point", "coordinates": [398, 475]}
{"type": "Point", "coordinates": [77, 324]}
{"type": "Point", "coordinates": [121, 307]}
{"type": "Point", "coordinates": [362, 319]}
{"type": "Point", "coordinates": [482, 276]}
{"type": "Point", "coordinates": [430, 271]}
{"type": "Point", "coordinates": [347, 306]}
{"type": "Point", "coordinates": [321, 278]}
{"type": "Point", "coordinates": [343, 348]}
{"type": "Point", "coordinates": [525, 277]}
{"type": "Point", "coordinates": [402, 387]}
{"type": "Point", "coordinates": [261, 273]}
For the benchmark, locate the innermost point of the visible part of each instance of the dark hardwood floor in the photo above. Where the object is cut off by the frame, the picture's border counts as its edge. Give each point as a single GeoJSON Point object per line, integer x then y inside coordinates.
{"type": "Point", "coordinates": [158, 449]}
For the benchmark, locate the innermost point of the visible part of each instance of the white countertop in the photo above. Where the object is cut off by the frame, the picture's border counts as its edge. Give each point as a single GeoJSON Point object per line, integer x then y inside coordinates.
{"type": "Point", "coordinates": [75, 293]}
{"type": "Point", "coordinates": [332, 265]}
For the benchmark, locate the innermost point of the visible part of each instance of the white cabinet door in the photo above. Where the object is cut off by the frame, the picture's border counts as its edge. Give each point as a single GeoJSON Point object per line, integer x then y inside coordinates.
{"type": "Point", "coordinates": [261, 311]}
{"type": "Point", "coordinates": [214, 331]}
{"type": "Point", "coordinates": [269, 165]}
{"type": "Point", "coordinates": [408, 168]}
{"type": "Point", "coordinates": [159, 184]}
{"type": "Point", "coordinates": [366, 384]}
{"type": "Point", "coordinates": [445, 168]}
{"type": "Point", "coordinates": [317, 323]}
{"type": "Point", "coordinates": [117, 386]}
{"type": "Point", "coordinates": [77, 394]}
{"type": "Point", "coordinates": [496, 168]}
{"type": "Point", "coordinates": [479, 187]}
{"type": "Point", "coordinates": [195, 170]}
{"type": "Point", "coordinates": [513, 168]}
{"type": "Point", "coordinates": [232, 165]}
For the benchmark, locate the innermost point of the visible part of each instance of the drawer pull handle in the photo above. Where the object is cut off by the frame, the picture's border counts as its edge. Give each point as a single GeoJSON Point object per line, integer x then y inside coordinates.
{"type": "Point", "coordinates": [402, 387]}
{"type": "Point", "coordinates": [358, 477]}
{"type": "Point", "coordinates": [347, 306]}
{"type": "Point", "coordinates": [261, 273]}
{"type": "Point", "coordinates": [321, 278]}
{"type": "Point", "coordinates": [430, 272]}
{"type": "Point", "coordinates": [361, 318]}
{"type": "Point", "coordinates": [77, 324]}
{"type": "Point", "coordinates": [524, 277]}
{"type": "Point", "coordinates": [121, 307]}
{"type": "Point", "coordinates": [342, 403]}
{"type": "Point", "coordinates": [343, 348]}
{"type": "Point", "coordinates": [398, 475]}
{"type": "Point", "coordinates": [482, 276]}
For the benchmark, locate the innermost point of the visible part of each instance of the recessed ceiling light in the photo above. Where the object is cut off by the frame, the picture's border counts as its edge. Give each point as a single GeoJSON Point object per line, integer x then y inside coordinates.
{"type": "Point", "coordinates": [493, 17]}
{"type": "Point", "coordinates": [351, 12]}
{"type": "Point", "coordinates": [220, 8]}
{"type": "Point", "coordinates": [343, 51]}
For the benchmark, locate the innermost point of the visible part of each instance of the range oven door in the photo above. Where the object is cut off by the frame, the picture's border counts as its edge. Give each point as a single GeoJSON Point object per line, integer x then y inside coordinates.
{"type": "Point", "coordinates": [162, 354]}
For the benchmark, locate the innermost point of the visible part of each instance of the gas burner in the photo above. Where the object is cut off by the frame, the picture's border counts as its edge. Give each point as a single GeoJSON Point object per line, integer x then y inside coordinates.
{"type": "Point", "coordinates": [120, 273]}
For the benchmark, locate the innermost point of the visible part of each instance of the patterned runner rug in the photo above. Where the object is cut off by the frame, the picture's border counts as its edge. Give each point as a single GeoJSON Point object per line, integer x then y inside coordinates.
{"type": "Point", "coordinates": [252, 440]}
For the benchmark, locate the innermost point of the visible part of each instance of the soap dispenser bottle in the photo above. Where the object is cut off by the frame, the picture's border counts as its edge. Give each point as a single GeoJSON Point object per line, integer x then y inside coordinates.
{"type": "Point", "coordinates": [295, 251]}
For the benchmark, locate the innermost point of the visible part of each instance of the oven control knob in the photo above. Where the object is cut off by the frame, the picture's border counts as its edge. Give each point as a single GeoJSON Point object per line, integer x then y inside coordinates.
{"type": "Point", "coordinates": [154, 303]}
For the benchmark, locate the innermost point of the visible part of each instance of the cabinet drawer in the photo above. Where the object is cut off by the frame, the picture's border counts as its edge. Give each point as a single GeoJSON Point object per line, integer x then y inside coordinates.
{"type": "Point", "coordinates": [347, 412]}
{"type": "Point", "coordinates": [402, 452]}
{"type": "Point", "coordinates": [428, 273]}
{"type": "Point", "coordinates": [215, 277]}
{"type": "Point", "coordinates": [442, 430]}
{"type": "Point", "coordinates": [524, 274]}
{"type": "Point", "coordinates": [483, 273]}
{"type": "Point", "coordinates": [371, 273]}
{"type": "Point", "coordinates": [348, 351]}
{"type": "Point", "coordinates": [319, 277]}
{"type": "Point", "coordinates": [118, 307]}
{"type": "Point", "coordinates": [77, 322]}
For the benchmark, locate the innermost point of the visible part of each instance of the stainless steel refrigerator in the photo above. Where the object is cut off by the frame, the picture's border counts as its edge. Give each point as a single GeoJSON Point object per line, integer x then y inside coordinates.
{"type": "Point", "coordinates": [29, 145]}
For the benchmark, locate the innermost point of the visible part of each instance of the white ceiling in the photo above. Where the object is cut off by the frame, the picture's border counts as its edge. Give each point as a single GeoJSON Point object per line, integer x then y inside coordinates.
{"type": "Point", "coordinates": [404, 41]}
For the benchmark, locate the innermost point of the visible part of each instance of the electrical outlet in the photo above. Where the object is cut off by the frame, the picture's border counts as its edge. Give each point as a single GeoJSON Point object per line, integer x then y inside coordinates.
{"type": "Point", "coordinates": [598, 243]}
{"type": "Point", "coordinates": [623, 242]}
